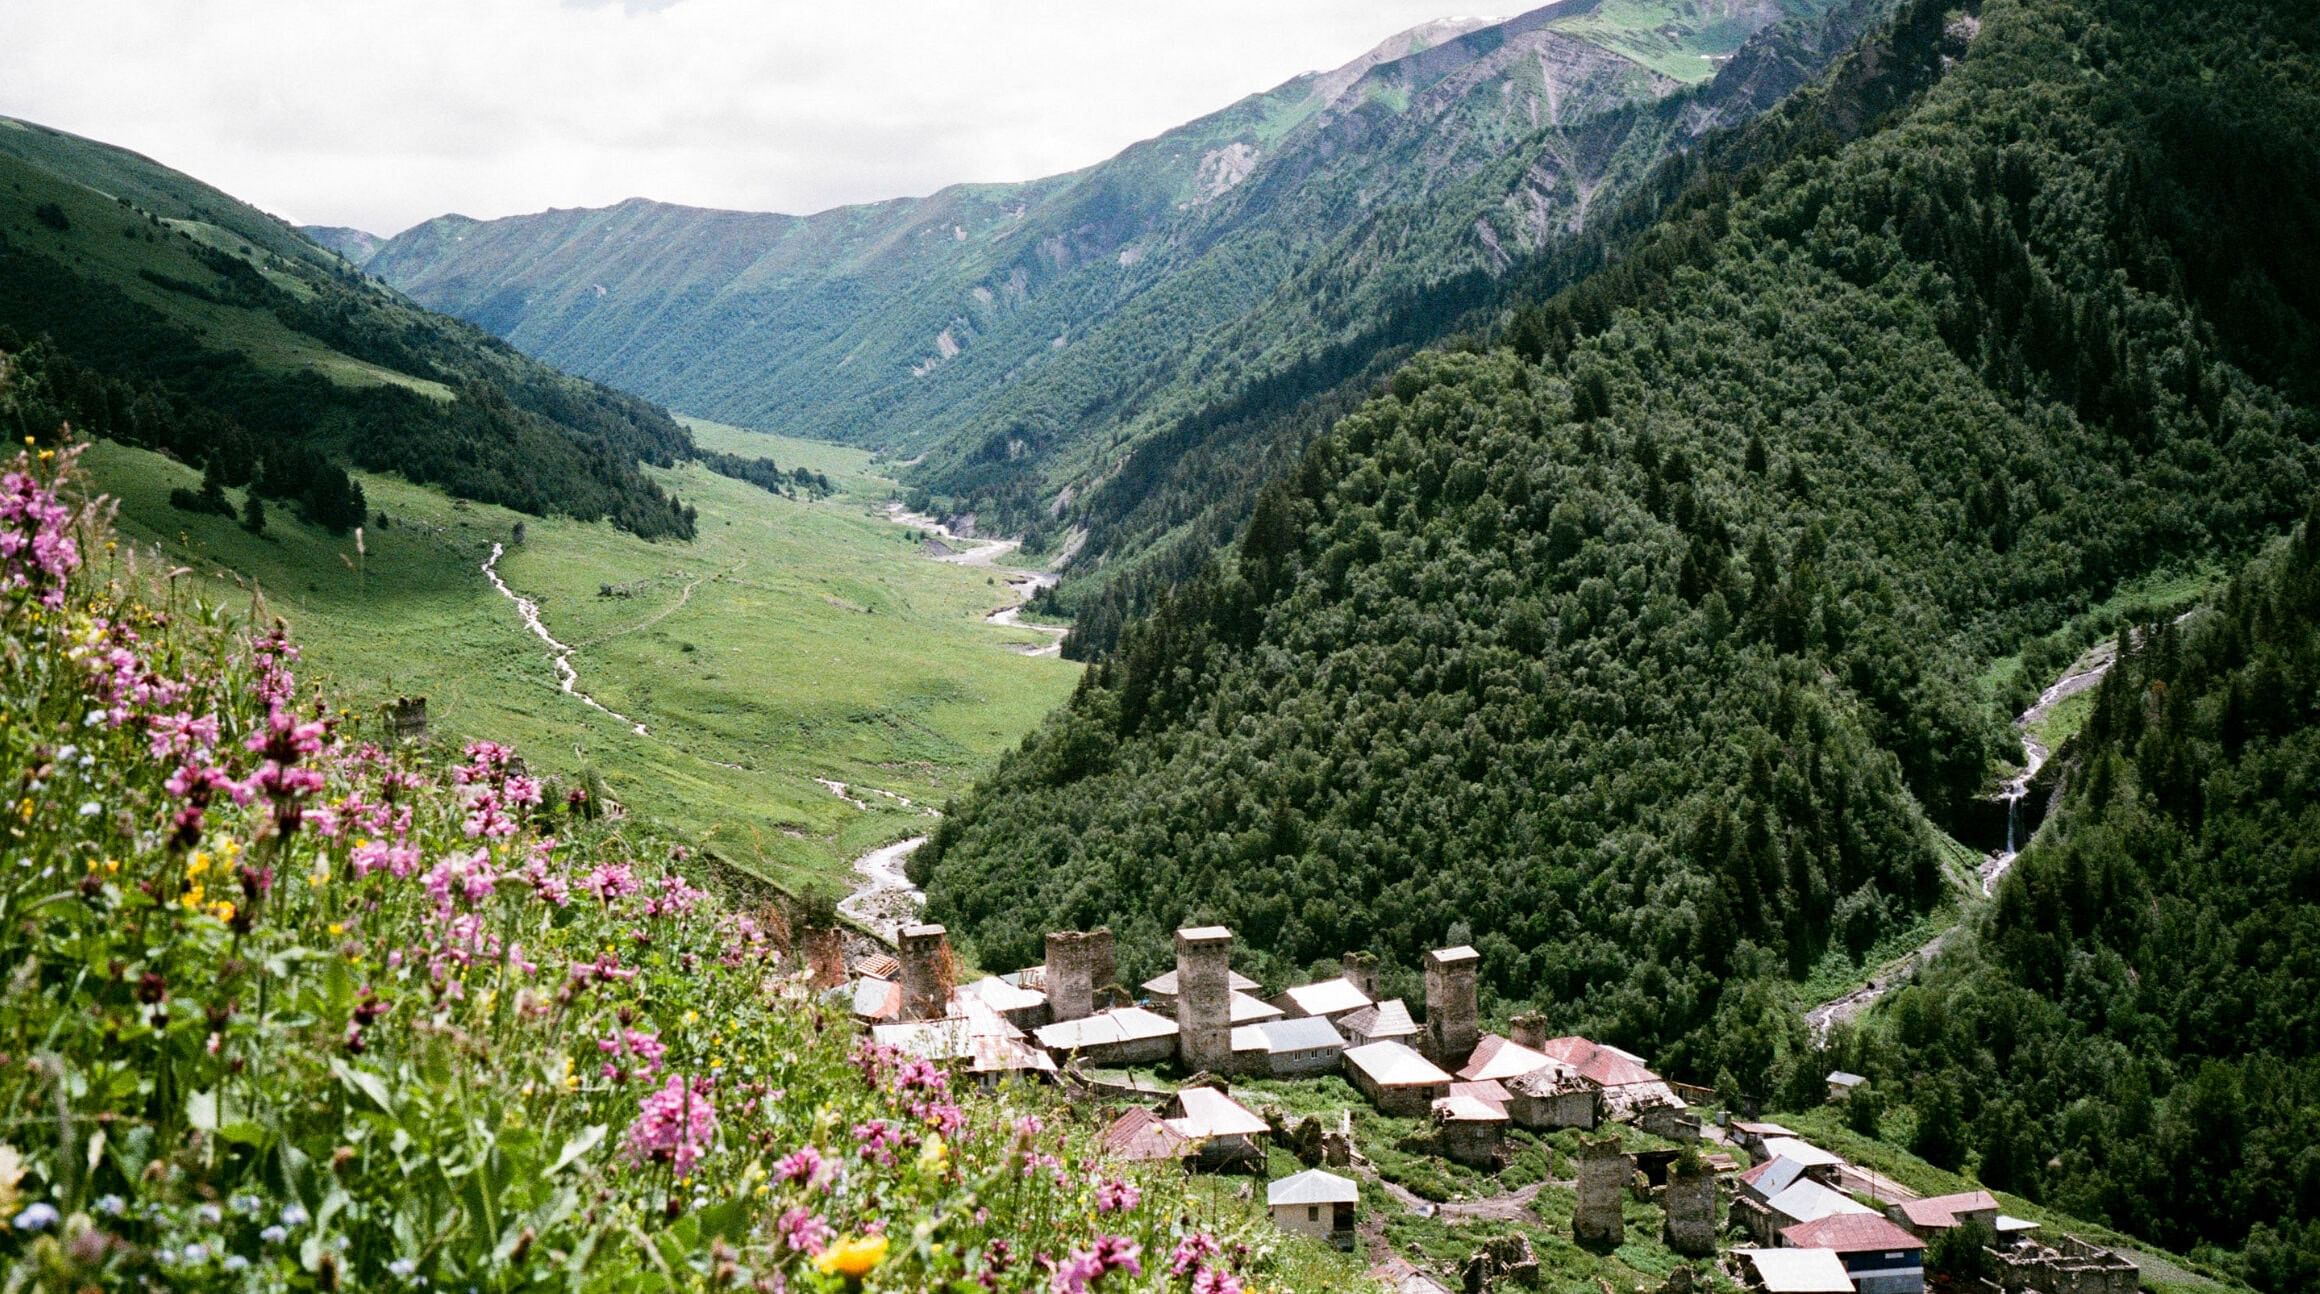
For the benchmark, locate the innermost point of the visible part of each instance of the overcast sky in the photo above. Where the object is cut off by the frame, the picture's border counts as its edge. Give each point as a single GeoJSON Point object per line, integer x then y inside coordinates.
{"type": "Point", "coordinates": [383, 114]}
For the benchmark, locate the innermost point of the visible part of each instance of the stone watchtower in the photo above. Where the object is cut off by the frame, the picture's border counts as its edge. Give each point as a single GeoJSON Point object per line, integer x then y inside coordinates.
{"type": "Point", "coordinates": [1690, 1199]}
{"type": "Point", "coordinates": [1361, 970]}
{"type": "Point", "coordinates": [925, 953]}
{"type": "Point", "coordinates": [1604, 1172]}
{"type": "Point", "coordinates": [1453, 1018]}
{"type": "Point", "coordinates": [1204, 998]}
{"type": "Point", "coordinates": [1078, 964]}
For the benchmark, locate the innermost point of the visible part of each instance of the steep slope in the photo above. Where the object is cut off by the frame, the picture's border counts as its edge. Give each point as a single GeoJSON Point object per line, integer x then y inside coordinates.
{"type": "Point", "coordinates": [1018, 329]}
{"type": "Point", "coordinates": [1641, 652]}
{"type": "Point", "coordinates": [181, 318]}
{"type": "Point", "coordinates": [2131, 1035]}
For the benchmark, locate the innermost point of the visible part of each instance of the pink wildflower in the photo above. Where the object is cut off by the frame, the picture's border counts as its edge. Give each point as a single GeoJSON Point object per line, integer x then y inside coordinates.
{"type": "Point", "coordinates": [804, 1231]}
{"type": "Point", "coordinates": [1116, 1196]}
{"type": "Point", "coordinates": [674, 1125]}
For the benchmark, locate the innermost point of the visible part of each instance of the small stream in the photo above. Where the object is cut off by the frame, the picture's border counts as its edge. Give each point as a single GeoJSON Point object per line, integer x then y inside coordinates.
{"type": "Point", "coordinates": [568, 677]}
{"type": "Point", "coordinates": [885, 900]}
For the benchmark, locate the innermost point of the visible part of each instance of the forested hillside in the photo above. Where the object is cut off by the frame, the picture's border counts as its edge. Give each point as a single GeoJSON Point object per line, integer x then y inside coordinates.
{"type": "Point", "coordinates": [1648, 649]}
{"type": "Point", "coordinates": [148, 307]}
{"type": "Point", "coordinates": [2132, 1036]}
{"type": "Point", "coordinates": [1042, 338]}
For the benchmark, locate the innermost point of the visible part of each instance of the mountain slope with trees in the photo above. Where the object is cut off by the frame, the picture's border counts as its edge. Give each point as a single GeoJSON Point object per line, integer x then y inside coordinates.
{"type": "Point", "coordinates": [1646, 649]}
{"type": "Point", "coordinates": [151, 308]}
{"type": "Point", "coordinates": [1040, 339]}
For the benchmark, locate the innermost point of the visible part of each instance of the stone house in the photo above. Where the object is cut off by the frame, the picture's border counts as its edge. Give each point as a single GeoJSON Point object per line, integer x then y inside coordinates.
{"type": "Point", "coordinates": [1224, 1133]}
{"type": "Point", "coordinates": [1316, 1203]}
{"type": "Point", "coordinates": [1396, 1080]}
{"type": "Point", "coordinates": [1468, 1130]}
{"type": "Point", "coordinates": [1387, 1021]}
{"type": "Point", "coordinates": [1283, 1048]}
{"type": "Point", "coordinates": [1546, 1100]}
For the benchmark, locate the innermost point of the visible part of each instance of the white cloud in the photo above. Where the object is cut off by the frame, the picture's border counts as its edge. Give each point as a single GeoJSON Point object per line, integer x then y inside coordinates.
{"type": "Point", "coordinates": [383, 114]}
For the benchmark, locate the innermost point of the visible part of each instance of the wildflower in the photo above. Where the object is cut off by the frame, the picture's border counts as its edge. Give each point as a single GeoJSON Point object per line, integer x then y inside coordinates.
{"type": "Point", "coordinates": [402, 1267]}
{"type": "Point", "coordinates": [1116, 1196]}
{"type": "Point", "coordinates": [274, 1235]}
{"type": "Point", "coordinates": [1191, 1252]}
{"type": "Point", "coordinates": [38, 1216]}
{"type": "Point", "coordinates": [674, 1125]}
{"type": "Point", "coordinates": [1084, 1267]}
{"type": "Point", "coordinates": [803, 1166]}
{"type": "Point", "coordinates": [934, 1156]}
{"type": "Point", "coordinates": [853, 1257]}
{"type": "Point", "coordinates": [91, 809]}
{"type": "Point", "coordinates": [112, 1206]}
{"type": "Point", "coordinates": [805, 1232]}
{"type": "Point", "coordinates": [1216, 1280]}
{"type": "Point", "coordinates": [611, 881]}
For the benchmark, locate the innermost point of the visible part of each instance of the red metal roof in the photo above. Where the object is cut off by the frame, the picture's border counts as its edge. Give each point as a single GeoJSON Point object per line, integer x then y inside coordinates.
{"type": "Point", "coordinates": [1598, 1064]}
{"type": "Point", "coordinates": [1942, 1210]}
{"type": "Point", "coordinates": [1849, 1233]}
{"type": "Point", "coordinates": [1141, 1135]}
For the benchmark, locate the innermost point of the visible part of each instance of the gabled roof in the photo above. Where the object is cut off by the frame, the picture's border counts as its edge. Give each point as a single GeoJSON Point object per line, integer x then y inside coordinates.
{"type": "Point", "coordinates": [1799, 1271]}
{"type": "Point", "coordinates": [1142, 1135]}
{"type": "Point", "coordinates": [1760, 1129]}
{"type": "Point", "coordinates": [1772, 1176]}
{"type": "Point", "coordinates": [1304, 1033]}
{"type": "Point", "coordinates": [1495, 1057]}
{"type": "Point", "coordinates": [1390, 1064]}
{"type": "Point", "coordinates": [1000, 995]}
{"type": "Point", "coordinates": [1384, 1020]}
{"type": "Point", "coordinates": [1809, 1201]}
{"type": "Point", "coordinates": [1940, 1211]}
{"type": "Point", "coordinates": [1849, 1233]}
{"type": "Point", "coordinates": [1843, 1078]}
{"type": "Point", "coordinates": [1312, 1186]}
{"type": "Point", "coordinates": [1251, 1010]}
{"type": "Point", "coordinates": [1598, 1064]}
{"type": "Point", "coordinates": [1105, 1028]}
{"type": "Point", "coordinates": [1329, 997]}
{"type": "Point", "coordinates": [1803, 1152]}
{"type": "Point", "coordinates": [1487, 1091]}
{"type": "Point", "coordinates": [872, 999]}
{"type": "Point", "coordinates": [1165, 985]}
{"type": "Point", "coordinates": [1202, 1112]}
{"type": "Point", "coordinates": [1467, 1109]}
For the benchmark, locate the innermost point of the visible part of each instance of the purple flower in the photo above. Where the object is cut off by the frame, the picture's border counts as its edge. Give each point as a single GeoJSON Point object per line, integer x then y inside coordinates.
{"type": "Point", "coordinates": [1116, 1196]}
{"type": "Point", "coordinates": [674, 1125]}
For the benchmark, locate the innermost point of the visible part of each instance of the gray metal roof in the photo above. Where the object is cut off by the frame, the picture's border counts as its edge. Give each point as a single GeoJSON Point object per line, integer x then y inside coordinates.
{"type": "Point", "coordinates": [1313, 1186]}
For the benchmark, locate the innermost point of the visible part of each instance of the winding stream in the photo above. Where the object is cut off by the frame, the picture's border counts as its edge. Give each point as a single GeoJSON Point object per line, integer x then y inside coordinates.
{"type": "Point", "coordinates": [1025, 585]}
{"type": "Point", "coordinates": [885, 900]}
{"type": "Point", "coordinates": [568, 678]}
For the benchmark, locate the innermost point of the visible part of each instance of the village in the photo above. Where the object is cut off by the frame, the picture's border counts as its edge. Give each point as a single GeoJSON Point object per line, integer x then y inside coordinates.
{"type": "Point", "coordinates": [1771, 1210]}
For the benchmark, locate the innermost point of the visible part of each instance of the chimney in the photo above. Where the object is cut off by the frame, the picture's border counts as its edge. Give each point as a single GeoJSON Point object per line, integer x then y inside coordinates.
{"type": "Point", "coordinates": [1360, 969]}
{"type": "Point", "coordinates": [925, 953]}
{"type": "Point", "coordinates": [1204, 998]}
{"type": "Point", "coordinates": [1528, 1030]}
{"type": "Point", "coordinates": [1452, 1015]}
{"type": "Point", "coordinates": [1071, 973]}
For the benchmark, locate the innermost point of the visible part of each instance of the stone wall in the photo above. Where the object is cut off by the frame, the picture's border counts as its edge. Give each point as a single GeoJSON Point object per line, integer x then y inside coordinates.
{"type": "Point", "coordinates": [1074, 961]}
{"type": "Point", "coordinates": [1604, 1173]}
{"type": "Point", "coordinates": [1690, 1200]}
{"type": "Point", "coordinates": [1528, 1030]}
{"type": "Point", "coordinates": [2065, 1265]}
{"type": "Point", "coordinates": [1453, 1016]}
{"type": "Point", "coordinates": [1204, 998]}
{"type": "Point", "coordinates": [1578, 1106]}
{"type": "Point", "coordinates": [925, 953]}
{"type": "Point", "coordinates": [1360, 969]}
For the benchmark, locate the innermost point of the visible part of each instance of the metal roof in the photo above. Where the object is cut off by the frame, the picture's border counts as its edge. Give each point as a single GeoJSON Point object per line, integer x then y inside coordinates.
{"type": "Point", "coordinates": [1329, 997]}
{"type": "Point", "coordinates": [1165, 985]}
{"type": "Point", "coordinates": [1803, 1152]}
{"type": "Point", "coordinates": [1495, 1057]}
{"type": "Point", "coordinates": [1598, 1064]}
{"type": "Point", "coordinates": [1940, 1211]}
{"type": "Point", "coordinates": [1850, 1233]}
{"type": "Point", "coordinates": [1487, 1091]}
{"type": "Point", "coordinates": [1466, 1109]}
{"type": "Point", "coordinates": [1207, 1112]}
{"type": "Point", "coordinates": [1313, 1186]}
{"type": "Point", "coordinates": [1390, 1064]}
{"type": "Point", "coordinates": [1000, 995]}
{"type": "Point", "coordinates": [1809, 1201]}
{"type": "Point", "coordinates": [1305, 1033]}
{"type": "Point", "coordinates": [1142, 1135]}
{"type": "Point", "coordinates": [1387, 1019]}
{"type": "Point", "coordinates": [1252, 1010]}
{"type": "Point", "coordinates": [1105, 1028]}
{"type": "Point", "coordinates": [1799, 1271]}
{"type": "Point", "coordinates": [1843, 1078]}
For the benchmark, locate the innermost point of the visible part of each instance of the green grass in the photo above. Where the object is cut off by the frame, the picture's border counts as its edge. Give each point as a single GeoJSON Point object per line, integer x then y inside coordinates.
{"type": "Point", "coordinates": [1684, 40]}
{"type": "Point", "coordinates": [2162, 1271]}
{"type": "Point", "coordinates": [792, 640]}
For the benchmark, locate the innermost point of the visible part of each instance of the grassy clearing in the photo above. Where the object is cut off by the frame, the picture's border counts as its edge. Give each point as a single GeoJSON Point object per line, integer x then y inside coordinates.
{"type": "Point", "coordinates": [792, 641]}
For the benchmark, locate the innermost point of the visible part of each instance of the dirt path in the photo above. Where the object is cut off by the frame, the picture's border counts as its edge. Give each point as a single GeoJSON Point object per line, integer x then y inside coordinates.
{"type": "Point", "coordinates": [568, 678]}
{"type": "Point", "coordinates": [1513, 1206]}
{"type": "Point", "coordinates": [985, 553]}
{"type": "Point", "coordinates": [684, 595]}
{"type": "Point", "coordinates": [885, 900]}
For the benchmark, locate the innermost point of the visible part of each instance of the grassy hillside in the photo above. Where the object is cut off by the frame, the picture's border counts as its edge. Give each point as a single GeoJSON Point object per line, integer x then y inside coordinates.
{"type": "Point", "coordinates": [1646, 652]}
{"type": "Point", "coordinates": [793, 640]}
{"type": "Point", "coordinates": [179, 318]}
{"type": "Point", "coordinates": [289, 1011]}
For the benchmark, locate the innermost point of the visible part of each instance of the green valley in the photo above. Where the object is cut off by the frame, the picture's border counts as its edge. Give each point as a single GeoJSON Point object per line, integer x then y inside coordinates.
{"type": "Point", "coordinates": [792, 640]}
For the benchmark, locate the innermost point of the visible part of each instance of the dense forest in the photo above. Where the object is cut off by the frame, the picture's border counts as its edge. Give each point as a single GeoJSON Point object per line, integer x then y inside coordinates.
{"type": "Point", "coordinates": [1646, 649]}
{"type": "Point", "coordinates": [158, 311]}
{"type": "Point", "coordinates": [2133, 1035]}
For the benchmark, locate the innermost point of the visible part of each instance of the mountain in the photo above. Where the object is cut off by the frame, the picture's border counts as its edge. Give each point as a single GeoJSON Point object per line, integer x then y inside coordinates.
{"type": "Point", "coordinates": [2131, 1030]}
{"type": "Point", "coordinates": [149, 307]}
{"type": "Point", "coordinates": [353, 244]}
{"type": "Point", "coordinates": [1652, 648]}
{"type": "Point", "coordinates": [1028, 336]}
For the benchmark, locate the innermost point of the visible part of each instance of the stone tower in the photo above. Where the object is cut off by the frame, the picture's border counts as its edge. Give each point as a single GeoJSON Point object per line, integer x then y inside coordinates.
{"type": "Point", "coordinates": [1453, 1019]}
{"type": "Point", "coordinates": [925, 953]}
{"type": "Point", "coordinates": [1528, 1030]}
{"type": "Point", "coordinates": [1204, 998]}
{"type": "Point", "coordinates": [1360, 970]}
{"type": "Point", "coordinates": [1690, 1198]}
{"type": "Point", "coordinates": [1603, 1176]}
{"type": "Point", "coordinates": [1075, 961]}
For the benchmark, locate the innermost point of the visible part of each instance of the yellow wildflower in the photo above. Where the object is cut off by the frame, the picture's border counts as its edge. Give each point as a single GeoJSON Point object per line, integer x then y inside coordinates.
{"type": "Point", "coordinates": [337, 928]}
{"type": "Point", "coordinates": [198, 863]}
{"type": "Point", "coordinates": [934, 1156]}
{"type": "Point", "coordinates": [223, 910]}
{"type": "Point", "coordinates": [854, 1256]}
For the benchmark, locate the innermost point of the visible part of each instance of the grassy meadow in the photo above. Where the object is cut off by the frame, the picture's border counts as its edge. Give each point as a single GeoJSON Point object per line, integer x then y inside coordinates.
{"type": "Point", "coordinates": [793, 640]}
